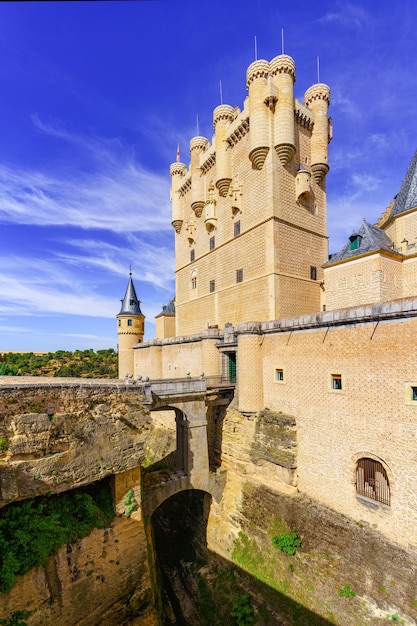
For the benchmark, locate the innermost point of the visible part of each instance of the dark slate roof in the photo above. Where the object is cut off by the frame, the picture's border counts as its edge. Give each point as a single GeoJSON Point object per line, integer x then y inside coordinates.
{"type": "Point", "coordinates": [168, 309]}
{"type": "Point", "coordinates": [130, 303]}
{"type": "Point", "coordinates": [373, 239]}
{"type": "Point", "coordinates": [407, 196]}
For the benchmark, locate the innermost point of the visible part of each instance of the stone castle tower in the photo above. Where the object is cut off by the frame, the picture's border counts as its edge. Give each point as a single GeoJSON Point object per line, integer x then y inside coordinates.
{"type": "Point", "coordinates": [130, 328]}
{"type": "Point", "coordinates": [250, 211]}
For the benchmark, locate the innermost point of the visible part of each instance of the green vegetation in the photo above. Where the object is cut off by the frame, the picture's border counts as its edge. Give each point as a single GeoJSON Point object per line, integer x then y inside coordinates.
{"type": "Point", "coordinates": [4, 444]}
{"type": "Point", "coordinates": [32, 530]}
{"type": "Point", "coordinates": [16, 619]}
{"type": "Point", "coordinates": [287, 542]}
{"type": "Point", "coordinates": [7, 370]}
{"type": "Point", "coordinates": [347, 592]}
{"type": "Point", "coordinates": [81, 363]}
{"type": "Point", "coordinates": [242, 611]}
{"type": "Point", "coordinates": [130, 503]}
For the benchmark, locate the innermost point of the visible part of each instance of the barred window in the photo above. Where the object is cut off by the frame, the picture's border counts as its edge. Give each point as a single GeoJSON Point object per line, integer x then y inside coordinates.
{"type": "Point", "coordinates": [192, 255]}
{"type": "Point", "coordinates": [236, 228]}
{"type": "Point", "coordinates": [372, 480]}
{"type": "Point", "coordinates": [313, 272]}
{"type": "Point", "coordinates": [212, 286]}
{"type": "Point", "coordinates": [239, 276]}
{"type": "Point", "coordinates": [212, 243]}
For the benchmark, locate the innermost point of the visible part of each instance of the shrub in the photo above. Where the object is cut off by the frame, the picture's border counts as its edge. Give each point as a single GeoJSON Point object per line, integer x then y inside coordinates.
{"type": "Point", "coordinates": [347, 592]}
{"type": "Point", "coordinates": [287, 542]}
{"type": "Point", "coordinates": [130, 503]}
{"type": "Point", "coordinates": [16, 619]}
{"type": "Point", "coordinates": [32, 530]}
{"type": "Point", "coordinates": [242, 611]}
{"type": "Point", "coordinates": [4, 444]}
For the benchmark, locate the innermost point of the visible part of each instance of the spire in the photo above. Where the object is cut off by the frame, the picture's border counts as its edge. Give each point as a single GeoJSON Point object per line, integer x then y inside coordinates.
{"type": "Point", "coordinates": [130, 303]}
{"type": "Point", "coordinates": [177, 156]}
{"type": "Point", "coordinates": [406, 198]}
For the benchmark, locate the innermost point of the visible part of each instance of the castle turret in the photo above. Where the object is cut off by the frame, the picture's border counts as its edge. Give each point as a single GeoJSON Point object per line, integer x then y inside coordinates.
{"type": "Point", "coordinates": [317, 98]}
{"type": "Point", "coordinates": [177, 172]}
{"type": "Point", "coordinates": [130, 329]}
{"type": "Point", "coordinates": [257, 83]}
{"type": "Point", "coordinates": [283, 73]}
{"type": "Point", "coordinates": [197, 146]}
{"type": "Point", "coordinates": [222, 116]}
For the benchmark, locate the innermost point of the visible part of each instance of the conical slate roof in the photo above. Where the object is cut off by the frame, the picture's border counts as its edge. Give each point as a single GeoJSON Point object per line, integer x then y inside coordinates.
{"type": "Point", "coordinates": [407, 196]}
{"type": "Point", "coordinates": [130, 303]}
{"type": "Point", "coordinates": [371, 238]}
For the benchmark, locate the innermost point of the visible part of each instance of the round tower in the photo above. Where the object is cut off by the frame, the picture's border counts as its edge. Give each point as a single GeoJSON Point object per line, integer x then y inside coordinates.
{"type": "Point", "coordinates": [257, 83]}
{"type": "Point", "coordinates": [222, 116]}
{"type": "Point", "coordinates": [130, 329]}
{"type": "Point", "coordinates": [197, 146]}
{"type": "Point", "coordinates": [317, 98]}
{"type": "Point", "coordinates": [177, 172]}
{"type": "Point", "coordinates": [283, 73]}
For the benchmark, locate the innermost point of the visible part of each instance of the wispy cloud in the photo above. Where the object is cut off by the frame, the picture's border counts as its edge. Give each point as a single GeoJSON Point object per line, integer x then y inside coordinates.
{"type": "Point", "coordinates": [155, 263]}
{"type": "Point", "coordinates": [348, 15]}
{"type": "Point", "coordinates": [47, 289]}
{"type": "Point", "coordinates": [117, 195]}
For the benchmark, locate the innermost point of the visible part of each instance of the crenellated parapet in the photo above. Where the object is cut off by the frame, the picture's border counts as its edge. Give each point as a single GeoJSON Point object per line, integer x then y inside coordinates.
{"type": "Point", "coordinates": [257, 84]}
{"type": "Point", "coordinates": [177, 172]}
{"type": "Point", "coordinates": [283, 75]}
{"type": "Point", "coordinates": [223, 115]}
{"type": "Point", "coordinates": [317, 98]}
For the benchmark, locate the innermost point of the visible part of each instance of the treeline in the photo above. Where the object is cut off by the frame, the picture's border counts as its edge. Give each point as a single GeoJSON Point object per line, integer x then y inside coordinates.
{"type": "Point", "coordinates": [81, 363]}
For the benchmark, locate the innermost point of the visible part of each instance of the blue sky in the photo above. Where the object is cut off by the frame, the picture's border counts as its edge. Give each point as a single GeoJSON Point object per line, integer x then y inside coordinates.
{"type": "Point", "coordinates": [94, 99]}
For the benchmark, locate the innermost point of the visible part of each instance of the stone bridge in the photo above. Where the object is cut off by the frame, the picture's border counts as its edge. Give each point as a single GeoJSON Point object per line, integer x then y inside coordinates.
{"type": "Point", "coordinates": [59, 434]}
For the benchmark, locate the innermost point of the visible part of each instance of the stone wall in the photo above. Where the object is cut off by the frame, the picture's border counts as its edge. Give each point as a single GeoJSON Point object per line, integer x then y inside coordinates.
{"type": "Point", "coordinates": [62, 435]}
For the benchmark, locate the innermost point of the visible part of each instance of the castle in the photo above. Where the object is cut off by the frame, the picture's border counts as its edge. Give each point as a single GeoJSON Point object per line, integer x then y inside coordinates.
{"type": "Point", "coordinates": [327, 341]}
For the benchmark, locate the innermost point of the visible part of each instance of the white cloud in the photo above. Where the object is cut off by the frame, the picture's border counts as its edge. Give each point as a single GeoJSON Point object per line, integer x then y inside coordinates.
{"type": "Point", "coordinates": [112, 192]}
{"type": "Point", "coordinates": [348, 15]}
{"type": "Point", "coordinates": [47, 289]}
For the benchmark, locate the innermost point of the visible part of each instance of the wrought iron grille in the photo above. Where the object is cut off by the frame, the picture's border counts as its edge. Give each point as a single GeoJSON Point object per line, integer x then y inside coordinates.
{"type": "Point", "coordinates": [372, 480]}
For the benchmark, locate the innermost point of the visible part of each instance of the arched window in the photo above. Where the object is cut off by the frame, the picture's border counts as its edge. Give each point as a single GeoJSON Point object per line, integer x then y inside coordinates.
{"type": "Point", "coordinates": [372, 480]}
{"type": "Point", "coordinates": [194, 279]}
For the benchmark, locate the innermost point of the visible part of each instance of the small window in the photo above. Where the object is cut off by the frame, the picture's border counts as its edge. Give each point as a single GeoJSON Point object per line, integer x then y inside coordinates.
{"type": "Point", "coordinates": [337, 382]}
{"type": "Point", "coordinates": [212, 286]}
{"type": "Point", "coordinates": [355, 241]}
{"type": "Point", "coordinates": [132, 302]}
{"type": "Point", "coordinates": [236, 228]}
{"type": "Point", "coordinates": [212, 243]}
{"type": "Point", "coordinates": [129, 322]}
{"type": "Point", "coordinates": [414, 394]}
{"type": "Point", "coordinates": [279, 376]}
{"type": "Point", "coordinates": [372, 480]}
{"type": "Point", "coordinates": [313, 272]}
{"type": "Point", "coordinates": [239, 276]}
{"type": "Point", "coordinates": [192, 255]}
{"type": "Point", "coordinates": [120, 322]}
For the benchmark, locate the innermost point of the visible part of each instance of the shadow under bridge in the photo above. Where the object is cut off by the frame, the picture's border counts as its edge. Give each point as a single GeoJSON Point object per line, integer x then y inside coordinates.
{"type": "Point", "coordinates": [194, 401]}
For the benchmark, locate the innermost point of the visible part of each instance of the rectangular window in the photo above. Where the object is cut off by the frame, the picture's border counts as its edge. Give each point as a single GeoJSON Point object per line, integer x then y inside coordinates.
{"type": "Point", "coordinates": [313, 272]}
{"type": "Point", "coordinates": [236, 228]}
{"type": "Point", "coordinates": [212, 243]}
{"type": "Point", "coordinates": [212, 286]}
{"type": "Point", "coordinates": [414, 394]}
{"type": "Point", "coordinates": [337, 382]}
{"type": "Point", "coordinates": [129, 322]}
{"type": "Point", "coordinates": [192, 255]}
{"type": "Point", "coordinates": [279, 376]}
{"type": "Point", "coordinates": [239, 276]}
